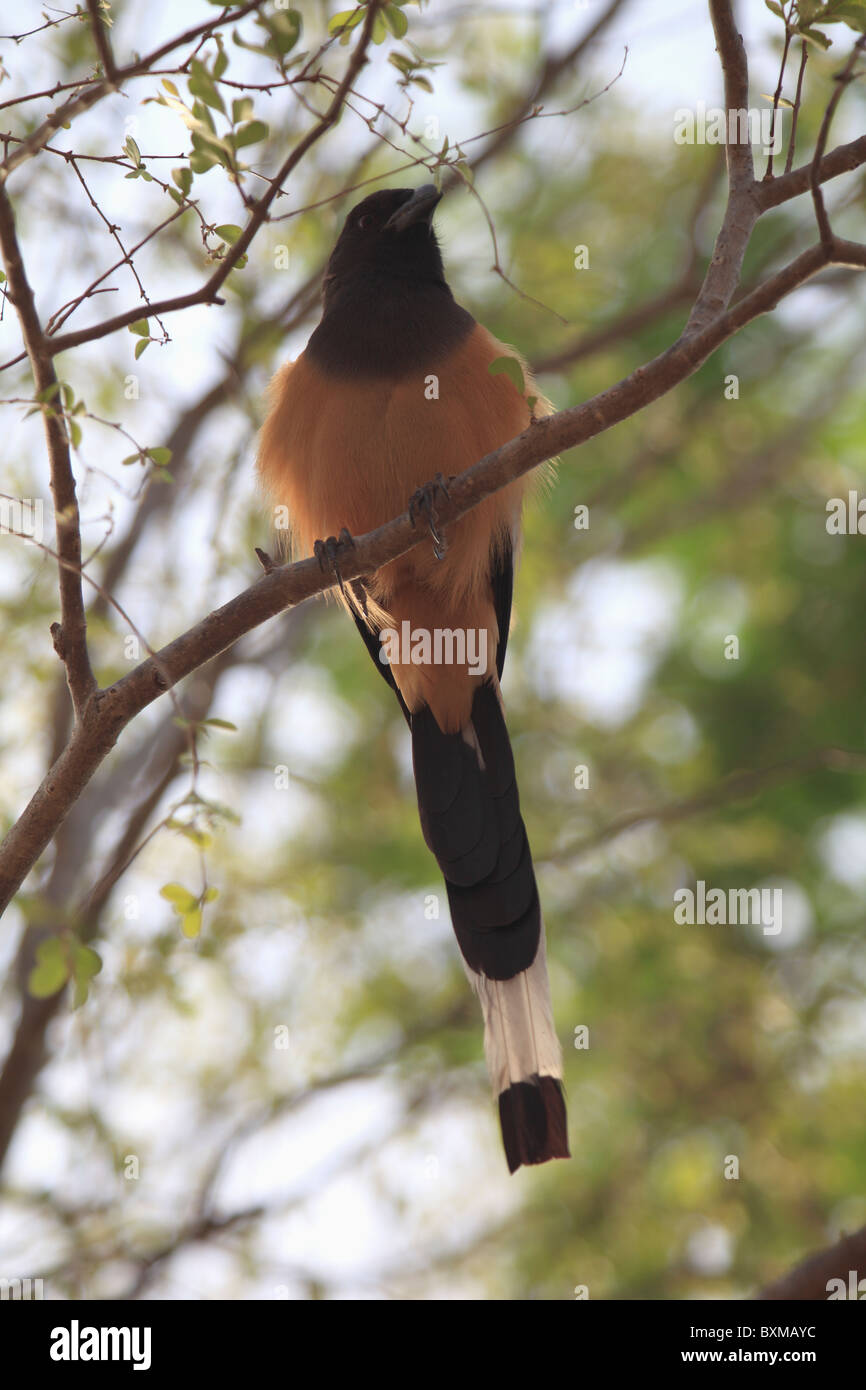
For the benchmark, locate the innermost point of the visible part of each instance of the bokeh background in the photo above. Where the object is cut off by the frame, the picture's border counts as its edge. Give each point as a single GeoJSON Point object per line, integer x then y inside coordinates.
{"type": "Point", "coordinates": [294, 1104]}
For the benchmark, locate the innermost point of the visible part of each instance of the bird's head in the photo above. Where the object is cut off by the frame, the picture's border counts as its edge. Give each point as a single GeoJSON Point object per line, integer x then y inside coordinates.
{"type": "Point", "coordinates": [389, 234]}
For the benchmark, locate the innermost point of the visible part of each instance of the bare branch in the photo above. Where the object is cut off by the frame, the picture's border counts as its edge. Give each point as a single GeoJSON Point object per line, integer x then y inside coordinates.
{"type": "Point", "coordinates": [798, 98]}
{"type": "Point", "coordinates": [99, 29]}
{"type": "Point", "coordinates": [207, 293]}
{"type": "Point", "coordinates": [554, 66]}
{"type": "Point", "coordinates": [738, 787]}
{"type": "Point", "coordinates": [71, 640]}
{"type": "Point", "coordinates": [778, 92]}
{"type": "Point", "coordinates": [742, 212]}
{"type": "Point", "coordinates": [842, 160]}
{"type": "Point", "coordinates": [94, 91]}
{"type": "Point", "coordinates": [842, 79]}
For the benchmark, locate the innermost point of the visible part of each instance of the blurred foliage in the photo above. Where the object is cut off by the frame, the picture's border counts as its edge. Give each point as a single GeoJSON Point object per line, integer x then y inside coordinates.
{"type": "Point", "coordinates": [707, 518]}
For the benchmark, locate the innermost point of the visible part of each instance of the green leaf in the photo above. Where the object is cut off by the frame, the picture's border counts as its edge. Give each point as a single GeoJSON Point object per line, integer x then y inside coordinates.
{"type": "Point", "coordinates": [465, 170]}
{"type": "Point", "coordinates": [51, 970]}
{"type": "Point", "coordinates": [221, 62]}
{"type": "Point", "coordinates": [160, 455]}
{"type": "Point", "coordinates": [379, 32]}
{"type": "Point", "coordinates": [141, 347]}
{"type": "Point", "coordinates": [284, 28]}
{"type": "Point", "coordinates": [85, 961]}
{"type": "Point", "coordinates": [776, 9]}
{"type": "Point", "coordinates": [815, 36]}
{"type": "Point", "coordinates": [183, 178]}
{"type": "Point", "coordinates": [202, 118]}
{"type": "Point", "coordinates": [396, 21]}
{"type": "Point", "coordinates": [850, 12]}
{"type": "Point", "coordinates": [181, 899]}
{"type": "Point", "coordinates": [141, 327]}
{"type": "Point", "coordinates": [220, 724]}
{"type": "Point", "coordinates": [74, 433]}
{"type": "Point", "coordinates": [229, 232]}
{"type": "Point", "coordinates": [250, 47]}
{"type": "Point", "coordinates": [217, 808]}
{"type": "Point", "coordinates": [85, 965]}
{"type": "Point", "coordinates": [200, 162]}
{"type": "Point", "coordinates": [242, 110]}
{"type": "Point", "coordinates": [190, 923]}
{"type": "Point", "coordinates": [132, 458]}
{"type": "Point", "coordinates": [170, 87]}
{"type": "Point", "coordinates": [210, 895]}
{"type": "Point", "coordinates": [201, 84]}
{"type": "Point", "coordinates": [133, 151]}
{"type": "Point", "coordinates": [200, 838]}
{"type": "Point", "coordinates": [216, 150]}
{"type": "Point", "coordinates": [346, 19]}
{"type": "Point", "coordinates": [250, 134]}
{"type": "Point", "coordinates": [512, 369]}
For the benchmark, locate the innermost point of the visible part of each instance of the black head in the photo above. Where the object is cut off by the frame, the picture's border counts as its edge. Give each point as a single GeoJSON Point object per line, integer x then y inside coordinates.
{"type": "Point", "coordinates": [388, 308]}
{"type": "Point", "coordinates": [387, 236]}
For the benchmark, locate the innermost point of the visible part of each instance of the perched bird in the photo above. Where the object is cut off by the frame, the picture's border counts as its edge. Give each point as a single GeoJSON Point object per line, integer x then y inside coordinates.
{"type": "Point", "coordinates": [392, 391]}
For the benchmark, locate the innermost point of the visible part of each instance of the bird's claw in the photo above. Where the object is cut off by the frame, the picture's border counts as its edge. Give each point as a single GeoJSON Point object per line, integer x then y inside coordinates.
{"type": "Point", "coordinates": [328, 553]}
{"type": "Point", "coordinates": [424, 500]}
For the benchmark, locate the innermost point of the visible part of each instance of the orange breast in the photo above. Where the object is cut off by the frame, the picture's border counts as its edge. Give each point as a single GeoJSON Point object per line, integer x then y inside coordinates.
{"type": "Point", "coordinates": [338, 452]}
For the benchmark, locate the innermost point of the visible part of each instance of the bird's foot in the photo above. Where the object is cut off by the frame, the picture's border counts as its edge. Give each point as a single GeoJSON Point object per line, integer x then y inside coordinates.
{"type": "Point", "coordinates": [424, 500]}
{"type": "Point", "coordinates": [328, 554]}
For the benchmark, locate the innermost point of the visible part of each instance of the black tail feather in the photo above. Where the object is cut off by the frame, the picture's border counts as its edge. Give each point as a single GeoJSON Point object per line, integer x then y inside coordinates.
{"type": "Point", "coordinates": [470, 816]}
{"type": "Point", "coordinates": [534, 1126]}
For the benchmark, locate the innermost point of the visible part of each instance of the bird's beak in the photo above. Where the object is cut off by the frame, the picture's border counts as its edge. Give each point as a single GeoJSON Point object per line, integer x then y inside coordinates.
{"type": "Point", "coordinates": [419, 208]}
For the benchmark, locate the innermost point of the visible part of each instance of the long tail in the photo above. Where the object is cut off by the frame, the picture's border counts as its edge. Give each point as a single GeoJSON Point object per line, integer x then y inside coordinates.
{"type": "Point", "coordinates": [470, 816]}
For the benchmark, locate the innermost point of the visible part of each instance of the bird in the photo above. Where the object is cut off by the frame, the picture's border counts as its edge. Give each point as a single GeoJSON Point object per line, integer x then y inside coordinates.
{"type": "Point", "coordinates": [392, 397]}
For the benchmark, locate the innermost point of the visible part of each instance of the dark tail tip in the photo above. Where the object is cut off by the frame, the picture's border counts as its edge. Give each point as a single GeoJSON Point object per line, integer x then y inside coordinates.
{"type": "Point", "coordinates": [533, 1120]}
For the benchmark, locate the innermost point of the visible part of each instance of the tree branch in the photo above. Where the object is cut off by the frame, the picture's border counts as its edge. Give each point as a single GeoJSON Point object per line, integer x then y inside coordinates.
{"type": "Point", "coordinates": [109, 711]}
{"type": "Point", "coordinates": [555, 64]}
{"type": "Point", "coordinates": [842, 79]}
{"type": "Point", "coordinates": [742, 212]}
{"type": "Point", "coordinates": [739, 786]}
{"type": "Point", "coordinates": [99, 29]}
{"type": "Point", "coordinates": [71, 637]}
{"type": "Point", "coordinates": [843, 160]}
{"type": "Point", "coordinates": [95, 91]}
{"type": "Point", "coordinates": [208, 292]}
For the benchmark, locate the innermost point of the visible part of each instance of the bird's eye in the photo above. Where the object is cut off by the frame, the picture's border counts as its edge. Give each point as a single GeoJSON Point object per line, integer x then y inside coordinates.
{"type": "Point", "coordinates": [365, 222]}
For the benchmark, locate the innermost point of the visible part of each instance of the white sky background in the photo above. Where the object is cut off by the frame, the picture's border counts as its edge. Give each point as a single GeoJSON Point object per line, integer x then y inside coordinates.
{"type": "Point", "coordinates": [623, 613]}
